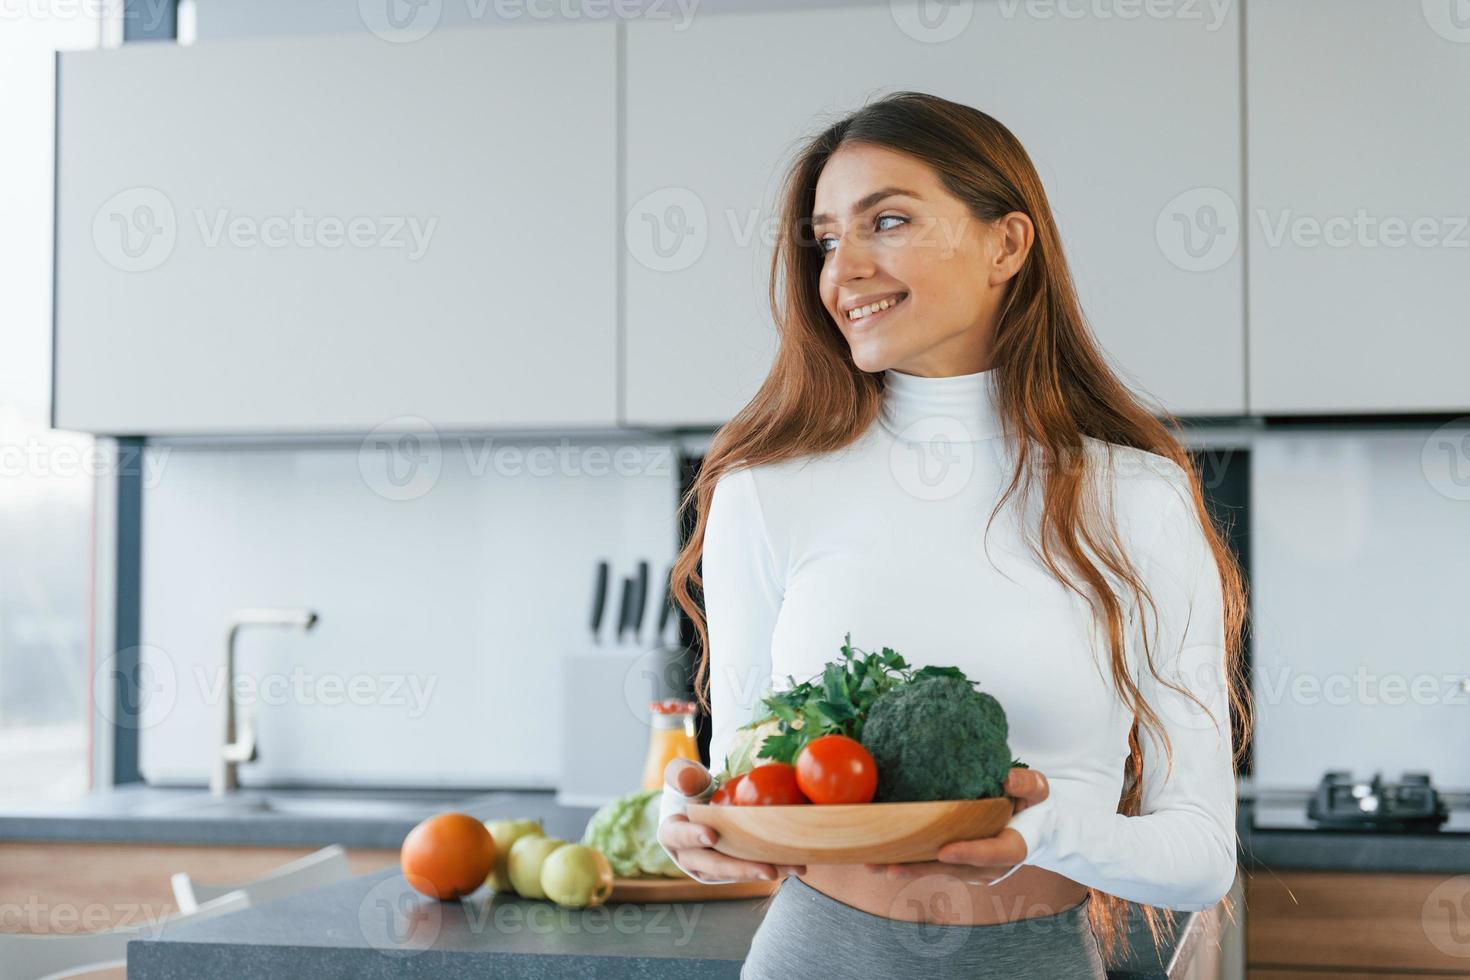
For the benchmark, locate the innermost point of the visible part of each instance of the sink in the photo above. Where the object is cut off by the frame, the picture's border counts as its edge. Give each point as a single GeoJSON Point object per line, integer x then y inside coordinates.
{"type": "Point", "coordinates": [319, 805]}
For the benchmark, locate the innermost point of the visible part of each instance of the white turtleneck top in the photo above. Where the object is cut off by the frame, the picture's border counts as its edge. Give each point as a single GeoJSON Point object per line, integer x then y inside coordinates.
{"type": "Point", "coordinates": [886, 539]}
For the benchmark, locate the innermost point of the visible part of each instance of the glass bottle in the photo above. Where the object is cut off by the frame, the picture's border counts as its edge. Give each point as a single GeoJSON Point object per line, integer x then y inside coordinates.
{"type": "Point", "coordinates": [670, 736]}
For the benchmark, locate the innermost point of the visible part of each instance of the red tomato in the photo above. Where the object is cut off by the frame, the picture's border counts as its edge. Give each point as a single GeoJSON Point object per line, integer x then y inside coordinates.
{"type": "Point", "coordinates": [836, 769]}
{"type": "Point", "coordinates": [725, 795]}
{"type": "Point", "coordinates": [773, 784]}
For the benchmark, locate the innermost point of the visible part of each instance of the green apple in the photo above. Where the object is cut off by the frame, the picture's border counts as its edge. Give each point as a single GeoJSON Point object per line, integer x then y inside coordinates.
{"type": "Point", "coordinates": [506, 833]}
{"type": "Point", "coordinates": [525, 860]}
{"type": "Point", "coordinates": [577, 876]}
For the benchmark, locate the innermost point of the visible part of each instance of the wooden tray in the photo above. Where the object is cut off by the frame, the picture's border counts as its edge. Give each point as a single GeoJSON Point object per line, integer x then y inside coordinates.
{"type": "Point", "coordinates": [661, 889]}
{"type": "Point", "coordinates": [858, 833]}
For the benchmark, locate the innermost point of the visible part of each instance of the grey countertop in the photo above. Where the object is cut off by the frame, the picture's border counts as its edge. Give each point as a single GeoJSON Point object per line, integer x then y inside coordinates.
{"type": "Point", "coordinates": [375, 926]}
{"type": "Point", "coordinates": [1287, 841]}
{"type": "Point", "coordinates": [278, 818]}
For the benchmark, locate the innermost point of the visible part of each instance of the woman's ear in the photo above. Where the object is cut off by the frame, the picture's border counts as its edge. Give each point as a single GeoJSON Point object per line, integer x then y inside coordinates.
{"type": "Point", "coordinates": [1011, 243]}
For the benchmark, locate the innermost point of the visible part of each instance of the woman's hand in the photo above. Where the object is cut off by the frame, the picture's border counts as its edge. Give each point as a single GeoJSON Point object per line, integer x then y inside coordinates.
{"type": "Point", "coordinates": [979, 862]}
{"type": "Point", "coordinates": [692, 844]}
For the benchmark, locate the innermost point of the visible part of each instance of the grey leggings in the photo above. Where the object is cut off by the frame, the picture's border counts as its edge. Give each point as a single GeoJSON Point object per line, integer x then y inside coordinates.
{"type": "Point", "coordinates": [807, 934]}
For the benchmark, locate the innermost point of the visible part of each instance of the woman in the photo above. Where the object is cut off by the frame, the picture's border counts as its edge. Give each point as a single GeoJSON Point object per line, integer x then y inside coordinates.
{"type": "Point", "coordinates": [941, 461]}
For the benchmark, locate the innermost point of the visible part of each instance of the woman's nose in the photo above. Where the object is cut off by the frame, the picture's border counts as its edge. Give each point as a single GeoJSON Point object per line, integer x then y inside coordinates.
{"type": "Point", "coordinates": [852, 258]}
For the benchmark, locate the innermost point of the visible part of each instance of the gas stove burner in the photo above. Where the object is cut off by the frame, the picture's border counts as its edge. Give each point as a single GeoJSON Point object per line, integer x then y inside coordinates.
{"type": "Point", "coordinates": [1408, 805]}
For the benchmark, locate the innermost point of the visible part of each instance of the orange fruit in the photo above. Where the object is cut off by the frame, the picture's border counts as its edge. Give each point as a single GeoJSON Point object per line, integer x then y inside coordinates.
{"type": "Point", "coordinates": [447, 856]}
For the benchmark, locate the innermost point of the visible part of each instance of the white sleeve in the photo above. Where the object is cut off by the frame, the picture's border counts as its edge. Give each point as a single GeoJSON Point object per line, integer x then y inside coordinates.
{"type": "Point", "coordinates": [742, 597]}
{"type": "Point", "coordinates": [1180, 852]}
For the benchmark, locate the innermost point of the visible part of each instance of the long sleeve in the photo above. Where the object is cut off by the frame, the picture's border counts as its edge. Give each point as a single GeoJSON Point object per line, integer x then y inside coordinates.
{"type": "Point", "coordinates": [1180, 852]}
{"type": "Point", "coordinates": [742, 598]}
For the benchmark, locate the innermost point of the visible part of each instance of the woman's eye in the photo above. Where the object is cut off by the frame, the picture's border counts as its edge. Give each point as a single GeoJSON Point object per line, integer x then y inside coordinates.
{"type": "Point", "coordinates": [821, 242]}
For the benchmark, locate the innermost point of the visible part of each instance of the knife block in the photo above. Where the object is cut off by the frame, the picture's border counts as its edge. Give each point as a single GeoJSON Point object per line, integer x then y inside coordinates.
{"type": "Point", "coordinates": [605, 719]}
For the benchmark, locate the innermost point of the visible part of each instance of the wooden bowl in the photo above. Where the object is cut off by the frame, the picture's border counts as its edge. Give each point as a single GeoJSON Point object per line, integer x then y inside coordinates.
{"type": "Point", "coordinates": [857, 833]}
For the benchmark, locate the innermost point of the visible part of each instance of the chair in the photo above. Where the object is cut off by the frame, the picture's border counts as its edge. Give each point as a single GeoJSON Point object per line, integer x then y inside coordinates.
{"type": "Point", "coordinates": [325, 867]}
{"type": "Point", "coordinates": [52, 957]}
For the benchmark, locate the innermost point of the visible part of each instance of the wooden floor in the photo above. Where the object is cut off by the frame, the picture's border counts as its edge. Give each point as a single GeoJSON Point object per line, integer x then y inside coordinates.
{"type": "Point", "coordinates": [68, 888]}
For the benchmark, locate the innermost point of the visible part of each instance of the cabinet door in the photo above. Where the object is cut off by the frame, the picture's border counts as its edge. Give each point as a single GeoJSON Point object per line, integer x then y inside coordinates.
{"type": "Point", "coordinates": [328, 234]}
{"type": "Point", "coordinates": [1359, 136]}
{"type": "Point", "coordinates": [1134, 125]}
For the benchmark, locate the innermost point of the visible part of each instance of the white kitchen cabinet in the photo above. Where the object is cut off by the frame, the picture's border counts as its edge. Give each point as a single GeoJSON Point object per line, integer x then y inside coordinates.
{"type": "Point", "coordinates": [1134, 125]}
{"type": "Point", "coordinates": [337, 233]}
{"type": "Point", "coordinates": [1359, 137]}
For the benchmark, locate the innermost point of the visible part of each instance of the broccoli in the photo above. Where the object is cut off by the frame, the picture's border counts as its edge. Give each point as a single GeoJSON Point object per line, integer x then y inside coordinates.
{"type": "Point", "coordinates": [937, 738]}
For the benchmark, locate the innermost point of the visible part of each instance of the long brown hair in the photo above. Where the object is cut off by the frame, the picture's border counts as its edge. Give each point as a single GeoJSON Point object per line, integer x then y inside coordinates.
{"type": "Point", "coordinates": [1053, 388]}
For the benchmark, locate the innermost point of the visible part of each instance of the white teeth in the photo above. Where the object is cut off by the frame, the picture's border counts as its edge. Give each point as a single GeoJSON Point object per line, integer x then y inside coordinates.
{"type": "Point", "coordinates": [863, 311]}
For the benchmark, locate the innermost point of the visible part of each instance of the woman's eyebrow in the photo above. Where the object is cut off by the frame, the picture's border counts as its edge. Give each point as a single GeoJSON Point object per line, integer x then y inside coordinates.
{"type": "Point", "coordinates": [869, 201]}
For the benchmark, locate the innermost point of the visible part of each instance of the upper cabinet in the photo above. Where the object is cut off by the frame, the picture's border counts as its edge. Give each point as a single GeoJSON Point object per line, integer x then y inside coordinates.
{"type": "Point", "coordinates": [1134, 126]}
{"type": "Point", "coordinates": [331, 234]}
{"type": "Point", "coordinates": [1359, 136]}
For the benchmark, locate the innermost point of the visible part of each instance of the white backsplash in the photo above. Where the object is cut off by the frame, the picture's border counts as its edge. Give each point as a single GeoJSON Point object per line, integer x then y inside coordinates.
{"type": "Point", "coordinates": [447, 595]}
{"type": "Point", "coordinates": [1362, 591]}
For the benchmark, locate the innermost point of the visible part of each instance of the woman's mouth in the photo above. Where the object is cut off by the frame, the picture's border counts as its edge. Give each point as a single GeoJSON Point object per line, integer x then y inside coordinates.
{"type": "Point", "coordinates": [864, 317]}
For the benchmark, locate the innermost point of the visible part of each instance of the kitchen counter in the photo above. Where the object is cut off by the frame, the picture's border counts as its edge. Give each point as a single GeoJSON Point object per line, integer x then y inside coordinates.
{"type": "Point", "coordinates": [138, 814]}
{"type": "Point", "coordinates": [376, 926]}
{"type": "Point", "coordinates": [1266, 848]}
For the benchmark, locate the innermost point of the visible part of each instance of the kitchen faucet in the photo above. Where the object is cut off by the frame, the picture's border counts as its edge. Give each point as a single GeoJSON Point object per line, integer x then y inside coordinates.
{"type": "Point", "coordinates": [236, 748]}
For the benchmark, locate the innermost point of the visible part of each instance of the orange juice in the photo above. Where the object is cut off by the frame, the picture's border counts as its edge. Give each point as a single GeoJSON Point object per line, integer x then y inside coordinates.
{"type": "Point", "coordinates": [670, 736]}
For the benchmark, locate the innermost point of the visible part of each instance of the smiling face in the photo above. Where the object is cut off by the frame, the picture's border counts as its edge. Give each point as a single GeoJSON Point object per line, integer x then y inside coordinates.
{"type": "Point", "coordinates": [891, 233]}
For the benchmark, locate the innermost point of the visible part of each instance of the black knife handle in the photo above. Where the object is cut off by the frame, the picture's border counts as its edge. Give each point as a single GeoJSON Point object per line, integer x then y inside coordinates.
{"type": "Point", "coordinates": [599, 599]}
{"type": "Point", "coordinates": [625, 611]}
{"type": "Point", "coordinates": [641, 606]}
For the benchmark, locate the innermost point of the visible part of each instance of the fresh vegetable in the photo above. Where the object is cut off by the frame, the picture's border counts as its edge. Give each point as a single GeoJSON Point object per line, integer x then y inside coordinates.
{"type": "Point", "coordinates": [625, 830]}
{"type": "Point", "coordinates": [837, 702]}
{"type": "Point", "coordinates": [725, 794]}
{"type": "Point", "coordinates": [937, 738]}
{"type": "Point", "coordinates": [741, 757]}
{"type": "Point", "coordinates": [836, 769]}
{"type": "Point", "coordinates": [772, 784]}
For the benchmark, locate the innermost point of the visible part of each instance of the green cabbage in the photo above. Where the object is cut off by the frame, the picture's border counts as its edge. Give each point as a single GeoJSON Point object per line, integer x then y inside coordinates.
{"type": "Point", "coordinates": [625, 830]}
